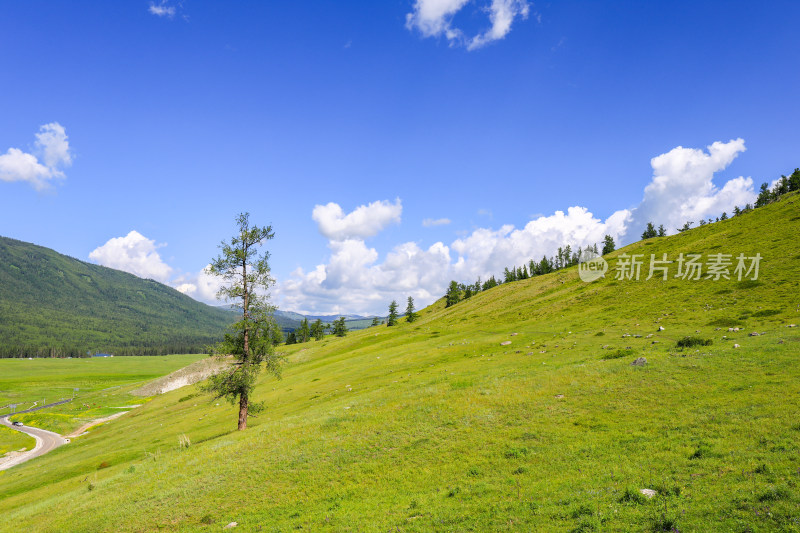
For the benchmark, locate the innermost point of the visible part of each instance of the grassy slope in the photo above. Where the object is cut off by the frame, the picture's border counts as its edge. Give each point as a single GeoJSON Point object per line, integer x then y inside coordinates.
{"type": "Point", "coordinates": [49, 299]}
{"type": "Point", "coordinates": [437, 426]}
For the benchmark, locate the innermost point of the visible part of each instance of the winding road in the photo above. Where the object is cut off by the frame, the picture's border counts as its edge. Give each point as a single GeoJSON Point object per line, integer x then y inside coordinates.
{"type": "Point", "coordinates": [46, 441]}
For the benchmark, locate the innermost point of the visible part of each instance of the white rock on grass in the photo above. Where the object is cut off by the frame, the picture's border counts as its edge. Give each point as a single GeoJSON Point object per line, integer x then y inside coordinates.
{"type": "Point", "coordinates": [231, 525]}
{"type": "Point", "coordinates": [648, 493]}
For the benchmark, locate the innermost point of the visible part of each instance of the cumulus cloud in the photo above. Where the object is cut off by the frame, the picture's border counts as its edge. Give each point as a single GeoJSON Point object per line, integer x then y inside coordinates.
{"type": "Point", "coordinates": [430, 222]}
{"type": "Point", "coordinates": [434, 18]}
{"type": "Point", "coordinates": [50, 154]}
{"type": "Point", "coordinates": [355, 280]}
{"type": "Point", "coordinates": [162, 9]}
{"type": "Point", "coordinates": [365, 221]}
{"type": "Point", "coordinates": [682, 188]}
{"type": "Point", "coordinates": [201, 286]}
{"type": "Point", "coordinates": [133, 253]}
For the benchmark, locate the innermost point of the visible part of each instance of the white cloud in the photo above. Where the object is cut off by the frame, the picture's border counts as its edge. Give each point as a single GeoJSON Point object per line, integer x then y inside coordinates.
{"type": "Point", "coordinates": [682, 189]}
{"type": "Point", "coordinates": [201, 286]}
{"type": "Point", "coordinates": [365, 221]}
{"type": "Point", "coordinates": [434, 18]}
{"type": "Point", "coordinates": [502, 14]}
{"type": "Point", "coordinates": [135, 254]}
{"type": "Point", "coordinates": [52, 147]}
{"type": "Point", "coordinates": [162, 9]}
{"type": "Point", "coordinates": [430, 222]}
{"type": "Point", "coordinates": [355, 280]}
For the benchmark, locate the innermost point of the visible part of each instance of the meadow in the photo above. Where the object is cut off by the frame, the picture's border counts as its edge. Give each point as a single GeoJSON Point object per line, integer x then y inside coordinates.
{"type": "Point", "coordinates": [515, 410]}
{"type": "Point", "coordinates": [102, 384]}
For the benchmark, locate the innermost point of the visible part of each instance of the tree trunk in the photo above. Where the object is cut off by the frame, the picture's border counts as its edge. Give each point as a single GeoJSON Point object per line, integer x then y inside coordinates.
{"type": "Point", "coordinates": [243, 403]}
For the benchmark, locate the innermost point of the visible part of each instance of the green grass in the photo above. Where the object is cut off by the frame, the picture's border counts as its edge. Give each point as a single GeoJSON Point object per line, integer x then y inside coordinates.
{"type": "Point", "coordinates": [436, 426]}
{"type": "Point", "coordinates": [103, 383]}
{"type": "Point", "coordinates": [11, 440]}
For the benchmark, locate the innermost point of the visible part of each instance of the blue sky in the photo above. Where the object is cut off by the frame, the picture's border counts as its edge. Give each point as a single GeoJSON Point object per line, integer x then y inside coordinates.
{"type": "Point", "coordinates": [168, 118]}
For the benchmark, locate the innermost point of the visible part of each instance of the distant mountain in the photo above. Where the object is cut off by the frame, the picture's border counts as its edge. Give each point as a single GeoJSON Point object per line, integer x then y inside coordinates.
{"type": "Point", "coordinates": [289, 320]}
{"type": "Point", "coordinates": [51, 304]}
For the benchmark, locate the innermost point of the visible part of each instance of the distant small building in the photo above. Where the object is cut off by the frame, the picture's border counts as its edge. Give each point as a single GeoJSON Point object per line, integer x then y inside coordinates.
{"type": "Point", "coordinates": [102, 355]}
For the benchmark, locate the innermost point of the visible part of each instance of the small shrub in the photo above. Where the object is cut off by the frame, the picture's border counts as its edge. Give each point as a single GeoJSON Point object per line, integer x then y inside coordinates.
{"type": "Point", "coordinates": [582, 510]}
{"type": "Point", "coordinates": [617, 354]}
{"type": "Point", "coordinates": [516, 453]}
{"type": "Point", "coordinates": [473, 472]}
{"type": "Point", "coordinates": [688, 342]}
{"type": "Point", "coordinates": [189, 397]}
{"type": "Point", "coordinates": [767, 312]}
{"type": "Point", "coordinates": [775, 494]}
{"type": "Point", "coordinates": [104, 464]}
{"type": "Point", "coordinates": [665, 523]}
{"type": "Point", "coordinates": [599, 334]}
{"type": "Point", "coordinates": [453, 492]}
{"type": "Point", "coordinates": [701, 452]}
{"type": "Point", "coordinates": [632, 495]}
{"type": "Point", "coordinates": [90, 487]}
{"type": "Point", "coordinates": [762, 469]}
{"type": "Point", "coordinates": [131, 469]}
{"type": "Point", "coordinates": [207, 519]}
{"type": "Point", "coordinates": [520, 470]}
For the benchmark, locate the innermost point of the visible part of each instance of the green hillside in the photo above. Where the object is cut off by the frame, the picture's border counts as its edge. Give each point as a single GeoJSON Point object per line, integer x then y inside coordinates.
{"type": "Point", "coordinates": [51, 304]}
{"type": "Point", "coordinates": [515, 410]}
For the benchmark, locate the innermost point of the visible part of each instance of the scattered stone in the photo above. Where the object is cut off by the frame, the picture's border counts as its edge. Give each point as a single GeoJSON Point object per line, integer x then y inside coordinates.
{"type": "Point", "coordinates": [559, 396]}
{"type": "Point", "coordinates": [637, 336]}
{"type": "Point", "coordinates": [780, 341]}
{"type": "Point", "coordinates": [514, 334]}
{"type": "Point", "coordinates": [648, 493]}
{"type": "Point", "coordinates": [529, 353]}
{"type": "Point", "coordinates": [231, 525]}
{"type": "Point", "coordinates": [792, 326]}
{"type": "Point", "coordinates": [717, 329]}
{"type": "Point", "coordinates": [736, 346]}
{"type": "Point", "coordinates": [518, 351]}
{"type": "Point", "coordinates": [649, 336]}
{"type": "Point", "coordinates": [640, 361]}
{"type": "Point", "coordinates": [505, 343]}
{"type": "Point", "coordinates": [754, 334]}
{"type": "Point", "coordinates": [660, 328]}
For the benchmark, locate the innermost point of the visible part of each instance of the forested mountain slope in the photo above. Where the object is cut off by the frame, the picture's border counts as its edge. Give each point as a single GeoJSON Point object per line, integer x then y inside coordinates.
{"type": "Point", "coordinates": [51, 304]}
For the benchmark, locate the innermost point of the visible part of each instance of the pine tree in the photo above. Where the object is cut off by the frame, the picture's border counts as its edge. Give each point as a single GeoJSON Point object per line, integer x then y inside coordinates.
{"type": "Point", "coordinates": [374, 322]}
{"type": "Point", "coordinates": [339, 327]}
{"type": "Point", "coordinates": [649, 232]}
{"type": "Point", "coordinates": [317, 330]}
{"type": "Point", "coordinates": [411, 314]}
{"type": "Point", "coordinates": [247, 276]}
{"type": "Point", "coordinates": [392, 319]}
{"type": "Point", "coordinates": [794, 180]}
{"type": "Point", "coordinates": [764, 195]}
{"type": "Point", "coordinates": [723, 216]}
{"type": "Point", "coordinates": [662, 231]}
{"type": "Point", "coordinates": [303, 333]}
{"type": "Point", "coordinates": [453, 295]}
{"type": "Point", "coordinates": [608, 244]}
{"type": "Point", "coordinates": [291, 338]}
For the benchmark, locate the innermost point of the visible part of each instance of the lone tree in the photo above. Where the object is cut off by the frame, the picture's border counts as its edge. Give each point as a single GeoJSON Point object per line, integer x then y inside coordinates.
{"type": "Point", "coordinates": [392, 319]}
{"type": "Point", "coordinates": [411, 314]}
{"type": "Point", "coordinates": [250, 339]}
